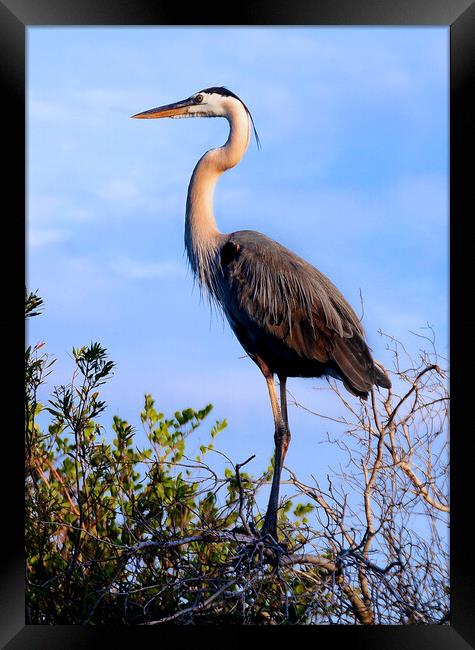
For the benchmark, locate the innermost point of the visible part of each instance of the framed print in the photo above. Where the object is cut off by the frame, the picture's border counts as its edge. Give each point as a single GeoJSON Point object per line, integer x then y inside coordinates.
{"type": "Point", "coordinates": [243, 419]}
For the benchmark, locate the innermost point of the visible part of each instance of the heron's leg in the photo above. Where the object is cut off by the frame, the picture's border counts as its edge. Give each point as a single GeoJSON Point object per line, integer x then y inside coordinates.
{"type": "Point", "coordinates": [273, 400]}
{"type": "Point", "coordinates": [281, 444]}
{"type": "Point", "coordinates": [282, 441]}
{"type": "Point", "coordinates": [283, 410]}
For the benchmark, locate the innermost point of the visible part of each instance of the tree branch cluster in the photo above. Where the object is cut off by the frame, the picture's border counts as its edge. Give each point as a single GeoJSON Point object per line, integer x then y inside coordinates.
{"type": "Point", "coordinates": [121, 534]}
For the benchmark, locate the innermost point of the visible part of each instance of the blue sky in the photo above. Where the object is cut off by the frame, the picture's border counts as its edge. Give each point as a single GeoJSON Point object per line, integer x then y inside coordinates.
{"type": "Point", "coordinates": [352, 175]}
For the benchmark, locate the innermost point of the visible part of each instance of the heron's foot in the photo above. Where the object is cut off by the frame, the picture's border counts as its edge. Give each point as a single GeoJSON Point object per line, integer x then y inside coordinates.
{"type": "Point", "coordinates": [269, 534]}
{"type": "Point", "coordinates": [271, 542]}
{"type": "Point", "coordinates": [265, 548]}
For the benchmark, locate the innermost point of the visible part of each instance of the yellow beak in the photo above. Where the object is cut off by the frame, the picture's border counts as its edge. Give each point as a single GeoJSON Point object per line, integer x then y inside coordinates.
{"type": "Point", "coordinates": [170, 110]}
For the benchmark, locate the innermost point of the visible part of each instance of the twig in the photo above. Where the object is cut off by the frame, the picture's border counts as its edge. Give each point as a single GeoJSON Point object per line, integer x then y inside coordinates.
{"type": "Point", "coordinates": [241, 494]}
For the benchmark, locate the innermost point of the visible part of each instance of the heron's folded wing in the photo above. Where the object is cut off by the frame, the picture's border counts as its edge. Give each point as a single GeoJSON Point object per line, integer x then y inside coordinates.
{"type": "Point", "coordinates": [270, 291]}
{"type": "Point", "coordinates": [283, 294]}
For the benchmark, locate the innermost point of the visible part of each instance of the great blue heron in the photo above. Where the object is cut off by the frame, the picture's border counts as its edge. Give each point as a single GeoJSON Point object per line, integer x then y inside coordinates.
{"type": "Point", "coordinates": [289, 317]}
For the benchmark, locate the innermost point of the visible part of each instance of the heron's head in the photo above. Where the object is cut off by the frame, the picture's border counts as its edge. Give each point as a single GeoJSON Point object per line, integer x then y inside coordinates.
{"type": "Point", "coordinates": [210, 102]}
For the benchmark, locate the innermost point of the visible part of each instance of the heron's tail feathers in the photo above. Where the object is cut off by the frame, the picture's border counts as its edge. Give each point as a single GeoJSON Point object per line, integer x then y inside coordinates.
{"type": "Point", "coordinates": [381, 378]}
{"type": "Point", "coordinates": [358, 370]}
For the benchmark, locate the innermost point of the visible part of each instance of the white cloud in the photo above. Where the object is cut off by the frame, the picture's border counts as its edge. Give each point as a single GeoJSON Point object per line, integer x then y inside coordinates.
{"type": "Point", "coordinates": [41, 238]}
{"type": "Point", "coordinates": [100, 99]}
{"type": "Point", "coordinates": [79, 214]}
{"type": "Point", "coordinates": [142, 269]}
{"type": "Point", "coordinates": [118, 190]}
{"type": "Point", "coordinates": [88, 106]}
{"type": "Point", "coordinates": [45, 110]}
{"type": "Point", "coordinates": [48, 209]}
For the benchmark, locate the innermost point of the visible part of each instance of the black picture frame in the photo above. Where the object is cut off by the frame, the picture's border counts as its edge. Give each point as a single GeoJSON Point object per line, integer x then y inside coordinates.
{"type": "Point", "coordinates": [458, 15]}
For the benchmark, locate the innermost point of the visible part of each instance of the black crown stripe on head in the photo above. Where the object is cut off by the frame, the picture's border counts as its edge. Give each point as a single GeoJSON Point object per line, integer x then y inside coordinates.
{"type": "Point", "coordinates": [225, 92]}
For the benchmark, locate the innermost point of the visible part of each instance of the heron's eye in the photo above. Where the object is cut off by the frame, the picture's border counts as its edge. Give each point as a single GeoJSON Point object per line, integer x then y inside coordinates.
{"type": "Point", "coordinates": [198, 99]}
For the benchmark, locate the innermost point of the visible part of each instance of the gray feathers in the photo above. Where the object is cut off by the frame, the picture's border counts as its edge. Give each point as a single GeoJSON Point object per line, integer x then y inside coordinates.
{"type": "Point", "coordinates": [286, 312]}
{"type": "Point", "coordinates": [282, 283]}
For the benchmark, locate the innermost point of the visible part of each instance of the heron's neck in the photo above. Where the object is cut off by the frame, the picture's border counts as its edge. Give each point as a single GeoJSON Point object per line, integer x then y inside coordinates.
{"type": "Point", "coordinates": [201, 232]}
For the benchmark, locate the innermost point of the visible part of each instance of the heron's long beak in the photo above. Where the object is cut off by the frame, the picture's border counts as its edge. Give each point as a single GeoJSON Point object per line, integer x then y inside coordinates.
{"type": "Point", "coordinates": [170, 110]}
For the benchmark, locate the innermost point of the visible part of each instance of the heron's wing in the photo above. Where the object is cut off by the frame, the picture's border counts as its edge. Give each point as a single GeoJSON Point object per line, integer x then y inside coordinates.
{"type": "Point", "coordinates": [270, 290]}
{"type": "Point", "coordinates": [281, 292]}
